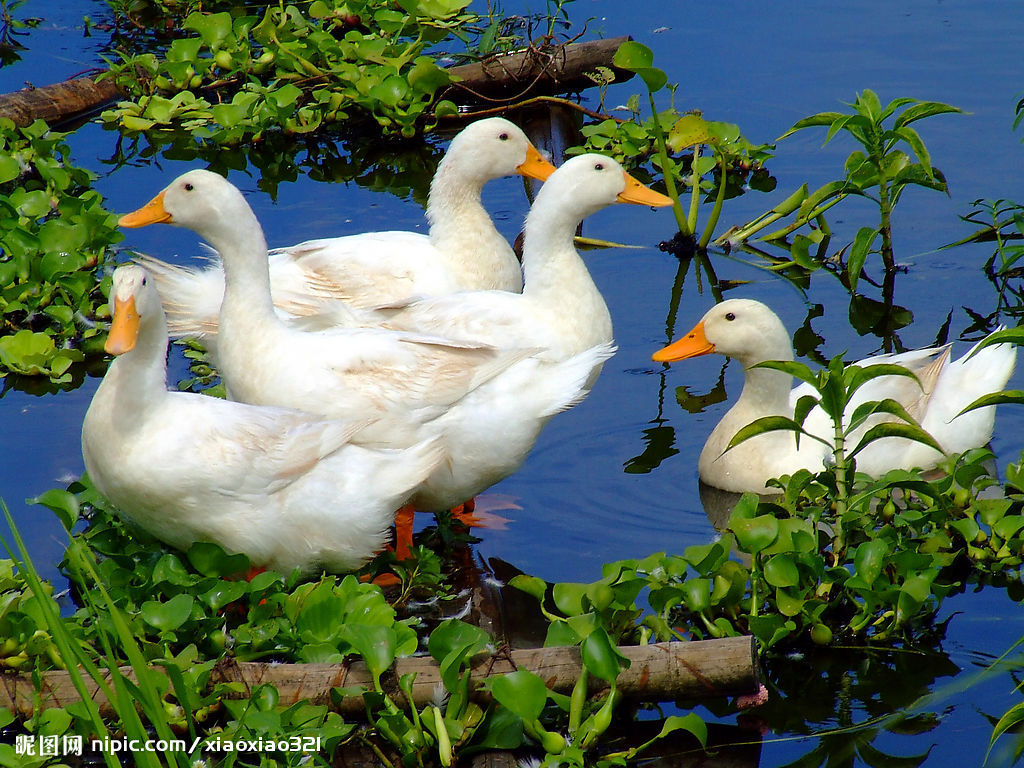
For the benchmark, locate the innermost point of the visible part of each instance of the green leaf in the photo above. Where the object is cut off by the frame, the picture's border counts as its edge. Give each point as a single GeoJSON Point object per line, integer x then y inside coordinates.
{"type": "Point", "coordinates": [697, 594]}
{"type": "Point", "coordinates": [1015, 396]}
{"type": "Point", "coordinates": [453, 635]}
{"type": "Point", "coordinates": [869, 559]}
{"type": "Point", "coordinates": [874, 407]}
{"type": "Point", "coordinates": [222, 593]}
{"type": "Point", "coordinates": [426, 77]}
{"type": "Point", "coordinates": [781, 571]}
{"type": "Point", "coordinates": [10, 168]}
{"type": "Point", "coordinates": [213, 28]}
{"type": "Point", "coordinates": [754, 534]}
{"type": "Point", "coordinates": [1010, 718]}
{"type": "Point", "coordinates": [893, 429]}
{"type": "Point", "coordinates": [286, 95]}
{"type": "Point", "coordinates": [911, 137]}
{"type": "Point", "coordinates": [857, 376]}
{"type": "Point", "coordinates": [167, 616]}
{"type": "Point", "coordinates": [522, 692]}
{"type": "Point", "coordinates": [63, 503]}
{"type": "Point", "coordinates": [600, 656]}
{"type": "Point", "coordinates": [210, 560]}
{"type": "Point", "coordinates": [820, 119]}
{"type": "Point", "coordinates": [376, 644]}
{"type": "Point", "coordinates": [922, 110]}
{"type": "Point", "coordinates": [692, 723]}
{"type": "Point", "coordinates": [688, 131]}
{"type": "Point", "coordinates": [502, 729]}
{"type": "Point", "coordinates": [638, 58]}
{"type": "Point", "coordinates": [858, 254]}
{"type": "Point", "coordinates": [568, 597]}
{"type": "Point", "coordinates": [531, 585]}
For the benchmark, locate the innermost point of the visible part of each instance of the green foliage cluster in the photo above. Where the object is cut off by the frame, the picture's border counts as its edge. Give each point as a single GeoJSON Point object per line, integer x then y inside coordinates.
{"type": "Point", "coordinates": [295, 69]}
{"type": "Point", "coordinates": [798, 567]}
{"type": "Point", "coordinates": [172, 616]}
{"type": "Point", "coordinates": [54, 243]}
{"type": "Point", "coordinates": [733, 161]}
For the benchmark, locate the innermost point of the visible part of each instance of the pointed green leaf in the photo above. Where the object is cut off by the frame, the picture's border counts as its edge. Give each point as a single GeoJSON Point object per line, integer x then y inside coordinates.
{"type": "Point", "coordinates": [923, 110]}
{"type": "Point", "coordinates": [1012, 717]}
{"type": "Point", "coordinates": [911, 137]}
{"type": "Point", "coordinates": [793, 368]}
{"type": "Point", "coordinates": [893, 429]}
{"type": "Point", "coordinates": [869, 104]}
{"type": "Point", "coordinates": [859, 253]}
{"type": "Point", "coordinates": [858, 375]}
{"type": "Point", "coordinates": [762, 425]}
{"type": "Point", "coordinates": [996, 398]}
{"type": "Point", "coordinates": [865, 410]}
{"type": "Point", "coordinates": [1001, 336]}
{"type": "Point", "coordinates": [822, 118]}
{"type": "Point", "coordinates": [893, 105]}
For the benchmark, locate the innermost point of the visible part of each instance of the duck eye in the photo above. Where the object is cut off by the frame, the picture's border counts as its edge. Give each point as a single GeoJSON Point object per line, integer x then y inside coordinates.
{"type": "Point", "coordinates": [503, 136]}
{"type": "Point", "coordinates": [730, 316]}
{"type": "Point", "coordinates": [598, 166]}
{"type": "Point", "coordinates": [188, 186]}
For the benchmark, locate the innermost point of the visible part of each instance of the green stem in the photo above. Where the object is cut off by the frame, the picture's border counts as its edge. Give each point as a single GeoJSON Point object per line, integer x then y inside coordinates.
{"type": "Point", "coordinates": [841, 478]}
{"type": "Point", "coordinates": [670, 183]}
{"type": "Point", "coordinates": [716, 211]}
{"type": "Point", "coordinates": [691, 218]}
{"type": "Point", "coordinates": [754, 580]}
{"type": "Point", "coordinates": [814, 214]}
{"type": "Point", "coordinates": [886, 229]}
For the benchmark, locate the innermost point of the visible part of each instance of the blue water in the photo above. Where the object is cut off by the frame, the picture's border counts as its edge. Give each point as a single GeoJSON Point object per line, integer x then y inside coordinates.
{"type": "Point", "coordinates": [762, 66]}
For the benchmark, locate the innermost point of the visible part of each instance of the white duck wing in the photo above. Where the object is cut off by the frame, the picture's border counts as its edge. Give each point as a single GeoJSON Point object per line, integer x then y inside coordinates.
{"type": "Point", "coordinates": [365, 270]}
{"type": "Point", "coordinates": [498, 318]}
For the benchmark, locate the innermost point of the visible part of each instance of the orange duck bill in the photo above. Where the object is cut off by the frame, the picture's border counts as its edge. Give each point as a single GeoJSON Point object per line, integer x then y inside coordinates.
{"type": "Point", "coordinates": [638, 194]}
{"type": "Point", "coordinates": [152, 212]}
{"type": "Point", "coordinates": [124, 330]}
{"type": "Point", "coordinates": [693, 344]}
{"type": "Point", "coordinates": [535, 166]}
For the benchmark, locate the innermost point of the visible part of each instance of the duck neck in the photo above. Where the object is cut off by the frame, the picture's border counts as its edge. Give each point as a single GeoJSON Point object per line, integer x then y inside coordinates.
{"type": "Point", "coordinates": [247, 302]}
{"type": "Point", "coordinates": [766, 391]}
{"type": "Point", "coordinates": [139, 376]}
{"type": "Point", "coordinates": [461, 227]}
{"type": "Point", "coordinates": [556, 278]}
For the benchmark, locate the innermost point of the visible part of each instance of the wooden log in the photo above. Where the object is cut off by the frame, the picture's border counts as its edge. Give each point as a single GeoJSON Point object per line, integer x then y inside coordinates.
{"type": "Point", "coordinates": [659, 671]}
{"type": "Point", "coordinates": [59, 102]}
{"type": "Point", "coordinates": [507, 77]}
{"type": "Point", "coordinates": [554, 69]}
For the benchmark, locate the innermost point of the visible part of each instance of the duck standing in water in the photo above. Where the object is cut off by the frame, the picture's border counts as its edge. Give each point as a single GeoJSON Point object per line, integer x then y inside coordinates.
{"type": "Point", "coordinates": [751, 333]}
{"type": "Point", "coordinates": [286, 488]}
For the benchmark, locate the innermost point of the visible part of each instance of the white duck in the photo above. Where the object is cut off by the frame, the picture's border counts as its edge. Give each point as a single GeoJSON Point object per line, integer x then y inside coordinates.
{"type": "Point", "coordinates": [560, 308]}
{"type": "Point", "coordinates": [560, 311]}
{"type": "Point", "coordinates": [284, 487]}
{"type": "Point", "coordinates": [403, 380]}
{"type": "Point", "coordinates": [464, 251]}
{"type": "Point", "coordinates": [750, 332]}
